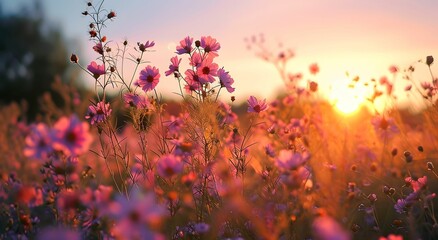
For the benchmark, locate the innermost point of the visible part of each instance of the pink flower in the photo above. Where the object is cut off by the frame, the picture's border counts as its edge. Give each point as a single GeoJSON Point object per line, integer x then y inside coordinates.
{"type": "Point", "coordinates": [71, 136]}
{"type": "Point", "coordinates": [185, 46]}
{"type": "Point", "coordinates": [326, 228]}
{"type": "Point", "coordinates": [174, 66]}
{"type": "Point", "coordinates": [384, 127]}
{"type": "Point", "coordinates": [98, 48]}
{"type": "Point", "coordinates": [137, 101]}
{"type": "Point", "coordinates": [142, 47]}
{"type": "Point", "coordinates": [169, 165]}
{"type": "Point", "coordinates": [210, 44]}
{"type": "Point", "coordinates": [392, 237]}
{"type": "Point", "coordinates": [207, 71]}
{"type": "Point", "coordinates": [193, 82]}
{"type": "Point", "coordinates": [96, 70]}
{"type": "Point", "coordinates": [98, 113]}
{"type": "Point", "coordinates": [195, 59]}
{"type": "Point", "coordinates": [289, 160]}
{"type": "Point", "coordinates": [225, 80]}
{"type": "Point", "coordinates": [149, 78]}
{"type": "Point", "coordinates": [314, 68]}
{"type": "Point", "coordinates": [39, 142]}
{"type": "Point", "coordinates": [393, 69]}
{"type": "Point", "coordinates": [255, 105]}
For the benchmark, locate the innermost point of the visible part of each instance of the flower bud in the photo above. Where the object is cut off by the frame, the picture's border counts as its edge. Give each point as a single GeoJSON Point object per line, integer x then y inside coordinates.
{"type": "Point", "coordinates": [197, 43]}
{"type": "Point", "coordinates": [74, 58]}
{"type": "Point", "coordinates": [429, 60]}
{"type": "Point", "coordinates": [420, 148]}
{"type": "Point", "coordinates": [430, 166]}
{"type": "Point", "coordinates": [89, 4]}
{"type": "Point", "coordinates": [111, 14]}
{"type": "Point", "coordinates": [85, 13]}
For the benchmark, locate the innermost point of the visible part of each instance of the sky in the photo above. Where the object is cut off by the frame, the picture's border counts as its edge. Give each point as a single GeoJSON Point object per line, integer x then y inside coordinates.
{"type": "Point", "coordinates": [360, 37]}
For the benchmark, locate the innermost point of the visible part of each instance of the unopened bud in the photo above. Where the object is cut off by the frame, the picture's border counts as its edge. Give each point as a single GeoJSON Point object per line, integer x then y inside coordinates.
{"type": "Point", "coordinates": [197, 43]}
{"type": "Point", "coordinates": [429, 60]}
{"type": "Point", "coordinates": [74, 58]}
{"type": "Point", "coordinates": [430, 166]}
{"type": "Point", "coordinates": [420, 148]}
{"type": "Point", "coordinates": [89, 4]}
{"type": "Point", "coordinates": [111, 15]}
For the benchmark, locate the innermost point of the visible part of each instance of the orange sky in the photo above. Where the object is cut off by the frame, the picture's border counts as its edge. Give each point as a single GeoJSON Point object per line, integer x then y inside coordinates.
{"type": "Point", "coordinates": [361, 37]}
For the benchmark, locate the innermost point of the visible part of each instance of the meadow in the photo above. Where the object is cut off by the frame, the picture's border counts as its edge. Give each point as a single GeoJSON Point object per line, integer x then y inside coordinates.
{"type": "Point", "coordinates": [125, 162]}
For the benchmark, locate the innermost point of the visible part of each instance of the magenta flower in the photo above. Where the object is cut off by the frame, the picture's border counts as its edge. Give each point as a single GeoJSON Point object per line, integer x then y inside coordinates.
{"type": "Point", "coordinates": [174, 66]}
{"type": "Point", "coordinates": [39, 142]}
{"type": "Point", "coordinates": [137, 101]}
{"type": "Point", "coordinates": [392, 237]}
{"type": "Point", "coordinates": [169, 165]}
{"type": "Point", "coordinates": [210, 44]}
{"type": "Point", "coordinates": [195, 59]}
{"type": "Point", "coordinates": [289, 160]}
{"type": "Point", "coordinates": [327, 228]}
{"type": "Point", "coordinates": [98, 48]}
{"type": "Point", "coordinates": [384, 127]}
{"type": "Point", "coordinates": [226, 80]}
{"type": "Point", "coordinates": [98, 113]}
{"type": "Point", "coordinates": [149, 78]}
{"type": "Point", "coordinates": [255, 105]}
{"type": "Point", "coordinates": [192, 79]}
{"type": "Point", "coordinates": [142, 47]}
{"type": "Point", "coordinates": [71, 136]}
{"type": "Point", "coordinates": [96, 70]}
{"type": "Point", "coordinates": [185, 46]}
{"type": "Point", "coordinates": [207, 71]}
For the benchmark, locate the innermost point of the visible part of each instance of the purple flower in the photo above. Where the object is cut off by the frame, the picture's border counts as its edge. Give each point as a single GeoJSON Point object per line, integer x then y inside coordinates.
{"type": "Point", "coordinates": [142, 47]}
{"type": "Point", "coordinates": [99, 112]}
{"type": "Point", "coordinates": [39, 142]}
{"type": "Point", "coordinates": [384, 127]}
{"type": "Point", "coordinates": [96, 70]}
{"type": "Point", "coordinates": [185, 46]}
{"type": "Point", "coordinates": [71, 136]}
{"type": "Point", "coordinates": [137, 101]}
{"type": "Point", "coordinates": [255, 105]}
{"type": "Point", "coordinates": [174, 66]}
{"type": "Point", "coordinates": [289, 160]}
{"type": "Point", "coordinates": [225, 80]}
{"type": "Point", "coordinates": [169, 165]}
{"type": "Point", "coordinates": [201, 227]}
{"type": "Point", "coordinates": [149, 78]}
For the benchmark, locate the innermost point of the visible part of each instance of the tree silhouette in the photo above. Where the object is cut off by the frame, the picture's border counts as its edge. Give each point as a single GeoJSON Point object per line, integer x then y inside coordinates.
{"type": "Point", "coordinates": [32, 53]}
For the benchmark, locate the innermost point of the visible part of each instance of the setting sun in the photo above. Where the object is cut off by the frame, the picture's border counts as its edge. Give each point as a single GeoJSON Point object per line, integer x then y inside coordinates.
{"type": "Point", "coordinates": [348, 100]}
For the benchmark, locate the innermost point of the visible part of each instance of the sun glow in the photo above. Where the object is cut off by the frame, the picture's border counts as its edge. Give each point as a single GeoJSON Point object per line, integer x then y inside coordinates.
{"type": "Point", "coordinates": [348, 100]}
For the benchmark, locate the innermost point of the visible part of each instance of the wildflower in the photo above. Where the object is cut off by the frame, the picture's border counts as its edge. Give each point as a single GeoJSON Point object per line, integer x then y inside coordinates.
{"type": "Point", "coordinates": [314, 68]}
{"type": "Point", "coordinates": [71, 136]}
{"type": "Point", "coordinates": [137, 101]}
{"type": "Point", "coordinates": [255, 105]}
{"type": "Point", "coordinates": [392, 237]}
{"type": "Point", "coordinates": [185, 46]}
{"type": "Point", "coordinates": [52, 233]}
{"type": "Point", "coordinates": [99, 112]}
{"type": "Point", "coordinates": [98, 48]}
{"type": "Point", "coordinates": [225, 80]}
{"type": "Point", "coordinates": [400, 206]}
{"type": "Point", "coordinates": [207, 71]}
{"type": "Point", "coordinates": [195, 59]}
{"type": "Point", "coordinates": [149, 78]}
{"type": "Point", "coordinates": [384, 127]}
{"type": "Point", "coordinates": [289, 160]}
{"type": "Point", "coordinates": [326, 228]}
{"type": "Point", "coordinates": [96, 70]}
{"type": "Point", "coordinates": [313, 86]}
{"type": "Point", "coordinates": [39, 142]}
{"type": "Point", "coordinates": [393, 69]}
{"type": "Point", "coordinates": [135, 217]}
{"type": "Point", "coordinates": [174, 66]}
{"type": "Point", "coordinates": [142, 47]}
{"type": "Point", "coordinates": [111, 14]}
{"type": "Point", "coordinates": [169, 165]}
{"type": "Point", "coordinates": [192, 80]}
{"type": "Point", "coordinates": [201, 227]}
{"type": "Point", "coordinates": [210, 44]}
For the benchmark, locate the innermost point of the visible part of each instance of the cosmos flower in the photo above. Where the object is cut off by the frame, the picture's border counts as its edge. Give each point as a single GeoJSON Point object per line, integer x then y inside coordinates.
{"type": "Point", "coordinates": [210, 45]}
{"type": "Point", "coordinates": [71, 136]}
{"type": "Point", "coordinates": [327, 228]}
{"type": "Point", "coordinates": [195, 59]}
{"type": "Point", "coordinates": [96, 70]}
{"type": "Point", "coordinates": [384, 126]}
{"type": "Point", "coordinates": [314, 68]}
{"type": "Point", "coordinates": [185, 46]}
{"type": "Point", "coordinates": [149, 78]}
{"type": "Point", "coordinates": [289, 160]}
{"type": "Point", "coordinates": [39, 142]}
{"type": "Point", "coordinates": [256, 106]}
{"type": "Point", "coordinates": [98, 113]}
{"type": "Point", "coordinates": [169, 165]}
{"type": "Point", "coordinates": [225, 80]}
{"type": "Point", "coordinates": [192, 80]}
{"type": "Point", "coordinates": [137, 101]}
{"type": "Point", "coordinates": [174, 66]}
{"type": "Point", "coordinates": [392, 237]}
{"type": "Point", "coordinates": [142, 47]}
{"type": "Point", "coordinates": [207, 71]}
{"type": "Point", "coordinates": [98, 48]}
